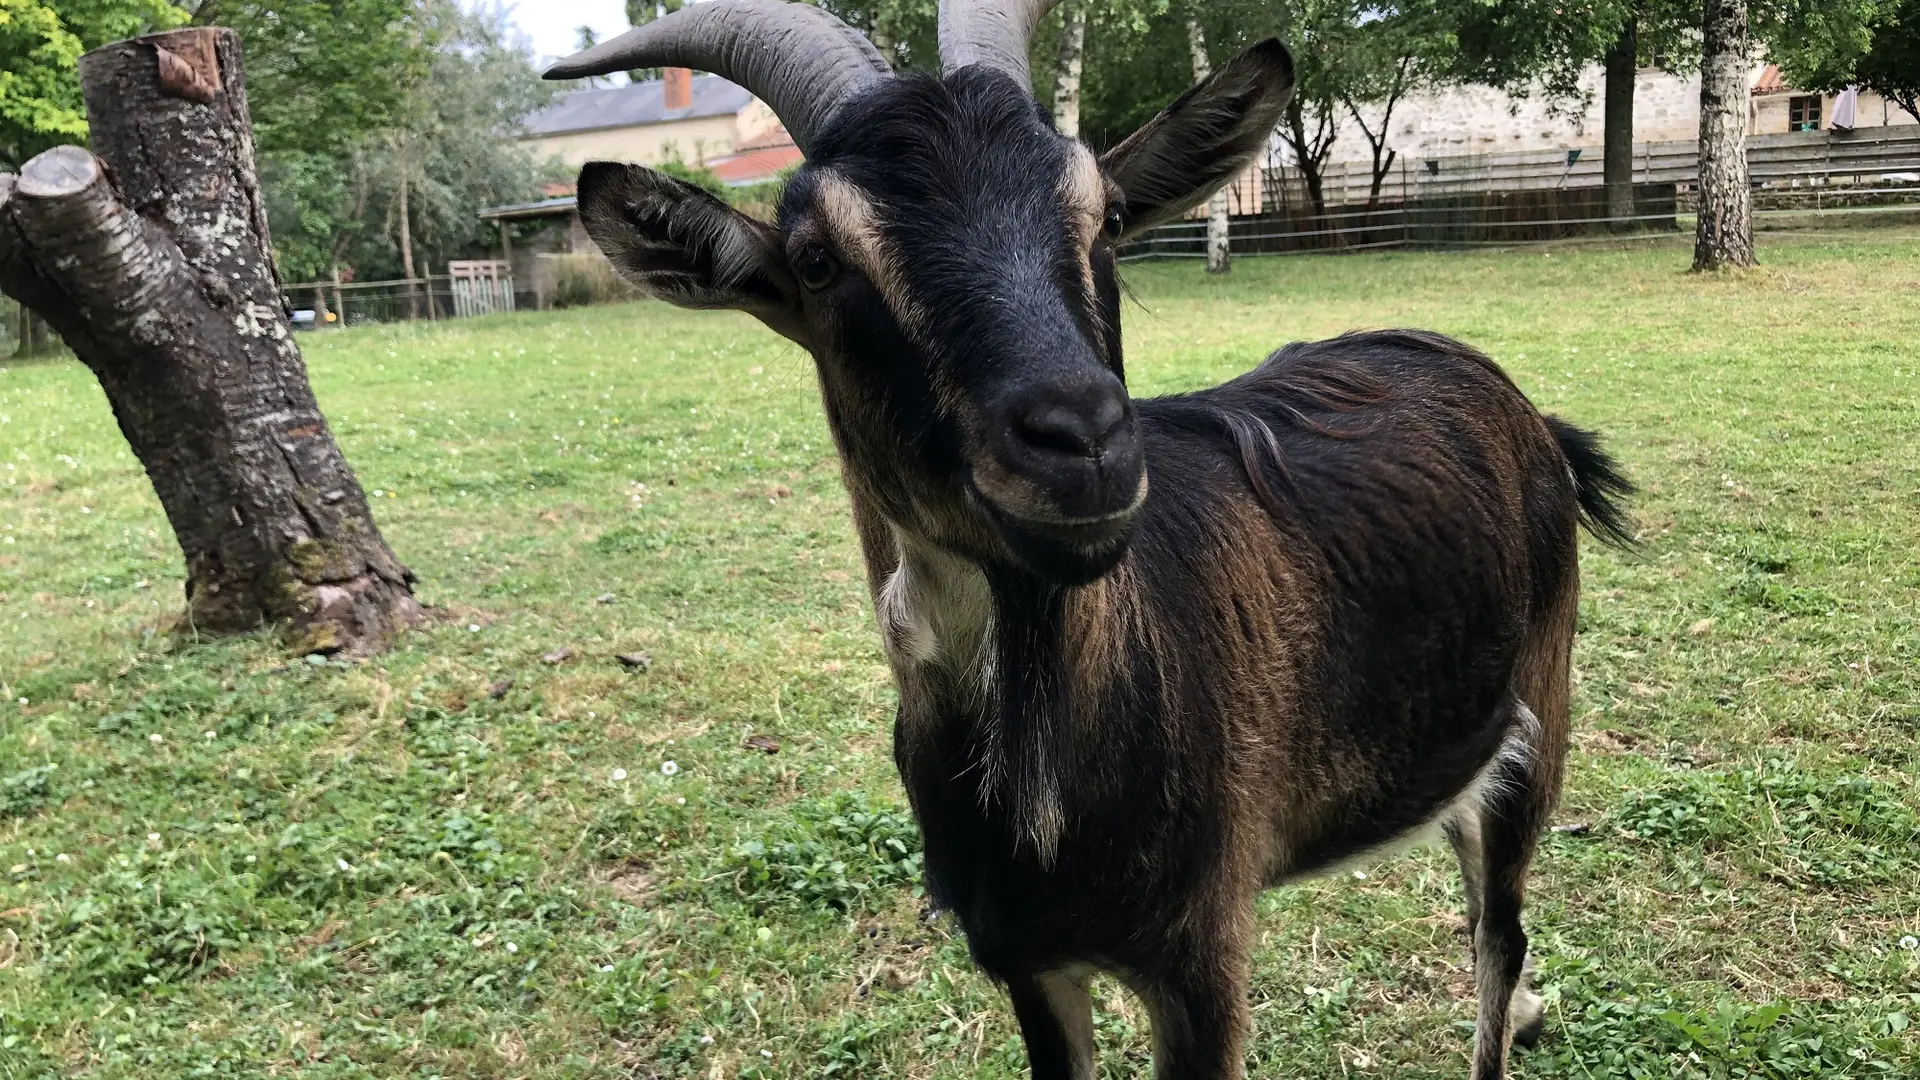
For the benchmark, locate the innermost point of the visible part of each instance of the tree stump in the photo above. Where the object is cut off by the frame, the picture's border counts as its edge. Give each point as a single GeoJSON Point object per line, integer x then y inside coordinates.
{"type": "Point", "coordinates": [155, 265]}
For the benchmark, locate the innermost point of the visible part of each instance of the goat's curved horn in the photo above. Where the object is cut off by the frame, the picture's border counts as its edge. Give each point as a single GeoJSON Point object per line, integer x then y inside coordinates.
{"type": "Point", "coordinates": [991, 32]}
{"type": "Point", "coordinates": [799, 59]}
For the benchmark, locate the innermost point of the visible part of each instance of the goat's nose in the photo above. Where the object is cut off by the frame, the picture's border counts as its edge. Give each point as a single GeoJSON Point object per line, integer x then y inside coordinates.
{"type": "Point", "coordinates": [1074, 444]}
{"type": "Point", "coordinates": [1050, 424]}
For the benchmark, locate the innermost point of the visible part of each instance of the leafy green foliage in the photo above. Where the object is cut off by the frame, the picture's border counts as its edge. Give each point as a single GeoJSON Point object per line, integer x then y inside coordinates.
{"type": "Point", "coordinates": [843, 854]}
{"type": "Point", "coordinates": [152, 919]}
{"type": "Point", "coordinates": [1884, 57]}
{"type": "Point", "coordinates": [321, 73]}
{"type": "Point", "coordinates": [25, 791]}
{"type": "Point", "coordinates": [40, 44]}
{"type": "Point", "coordinates": [454, 91]}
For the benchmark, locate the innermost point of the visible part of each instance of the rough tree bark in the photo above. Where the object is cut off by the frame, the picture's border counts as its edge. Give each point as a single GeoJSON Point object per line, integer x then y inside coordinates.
{"type": "Point", "coordinates": [154, 265]}
{"type": "Point", "coordinates": [1219, 255]}
{"type": "Point", "coordinates": [1623, 68]}
{"type": "Point", "coordinates": [1073, 51]}
{"type": "Point", "coordinates": [1724, 234]}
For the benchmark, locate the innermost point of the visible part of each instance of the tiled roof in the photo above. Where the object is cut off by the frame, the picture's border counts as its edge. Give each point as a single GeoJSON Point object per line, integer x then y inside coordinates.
{"type": "Point", "coordinates": [635, 104]}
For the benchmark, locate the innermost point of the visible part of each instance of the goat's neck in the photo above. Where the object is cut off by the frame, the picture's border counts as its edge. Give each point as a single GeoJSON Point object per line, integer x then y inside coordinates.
{"type": "Point", "coordinates": [934, 608]}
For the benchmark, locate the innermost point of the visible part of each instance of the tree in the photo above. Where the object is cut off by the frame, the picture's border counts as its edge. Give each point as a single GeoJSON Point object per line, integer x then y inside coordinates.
{"type": "Point", "coordinates": [1545, 46]}
{"type": "Point", "coordinates": [156, 272]}
{"type": "Point", "coordinates": [1069, 63]}
{"type": "Point", "coordinates": [323, 76]}
{"type": "Point", "coordinates": [1219, 239]}
{"type": "Point", "coordinates": [450, 148]}
{"type": "Point", "coordinates": [1888, 64]}
{"type": "Point", "coordinates": [1723, 235]}
{"type": "Point", "coordinates": [446, 143]}
{"type": "Point", "coordinates": [1385, 54]}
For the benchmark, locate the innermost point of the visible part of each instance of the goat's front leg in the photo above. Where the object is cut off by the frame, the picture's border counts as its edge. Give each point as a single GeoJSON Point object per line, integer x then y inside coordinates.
{"type": "Point", "coordinates": [1056, 1022]}
{"type": "Point", "coordinates": [1200, 1018]}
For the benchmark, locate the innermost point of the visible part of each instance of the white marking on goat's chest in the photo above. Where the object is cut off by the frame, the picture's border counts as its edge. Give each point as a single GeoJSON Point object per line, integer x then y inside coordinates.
{"type": "Point", "coordinates": [936, 609]}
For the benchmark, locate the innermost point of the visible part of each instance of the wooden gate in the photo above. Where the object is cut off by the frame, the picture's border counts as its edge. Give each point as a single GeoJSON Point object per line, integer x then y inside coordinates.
{"type": "Point", "coordinates": [481, 286]}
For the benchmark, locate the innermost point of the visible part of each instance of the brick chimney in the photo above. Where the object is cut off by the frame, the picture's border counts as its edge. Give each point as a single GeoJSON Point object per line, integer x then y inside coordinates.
{"type": "Point", "coordinates": [678, 86]}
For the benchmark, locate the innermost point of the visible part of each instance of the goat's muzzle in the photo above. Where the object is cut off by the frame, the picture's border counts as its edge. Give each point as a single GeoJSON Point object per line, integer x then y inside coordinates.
{"type": "Point", "coordinates": [1063, 475]}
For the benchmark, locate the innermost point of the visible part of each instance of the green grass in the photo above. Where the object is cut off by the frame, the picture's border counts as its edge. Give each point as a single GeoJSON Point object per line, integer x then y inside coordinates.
{"type": "Point", "coordinates": [218, 860]}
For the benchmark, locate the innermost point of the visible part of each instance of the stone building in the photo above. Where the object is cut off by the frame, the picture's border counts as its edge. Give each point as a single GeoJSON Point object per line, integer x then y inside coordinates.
{"type": "Point", "coordinates": [1474, 120]}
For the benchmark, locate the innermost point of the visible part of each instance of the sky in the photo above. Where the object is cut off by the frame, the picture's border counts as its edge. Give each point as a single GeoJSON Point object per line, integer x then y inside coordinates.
{"type": "Point", "coordinates": [553, 24]}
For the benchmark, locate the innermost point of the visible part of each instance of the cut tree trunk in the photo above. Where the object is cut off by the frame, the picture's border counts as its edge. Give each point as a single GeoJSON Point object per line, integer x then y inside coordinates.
{"type": "Point", "coordinates": [1073, 51]}
{"type": "Point", "coordinates": [1219, 244]}
{"type": "Point", "coordinates": [1623, 68]}
{"type": "Point", "coordinates": [1724, 234]}
{"type": "Point", "coordinates": [158, 275]}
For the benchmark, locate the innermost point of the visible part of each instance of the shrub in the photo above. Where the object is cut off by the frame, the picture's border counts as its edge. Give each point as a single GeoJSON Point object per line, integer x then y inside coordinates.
{"type": "Point", "coordinates": [578, 279]}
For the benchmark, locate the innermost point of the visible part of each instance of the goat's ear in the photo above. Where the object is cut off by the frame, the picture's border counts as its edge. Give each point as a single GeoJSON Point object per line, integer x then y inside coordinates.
{"type": "Point", "coordinates": [679, 243]}
{"type": "Point", "coordinates": [1204, 139]}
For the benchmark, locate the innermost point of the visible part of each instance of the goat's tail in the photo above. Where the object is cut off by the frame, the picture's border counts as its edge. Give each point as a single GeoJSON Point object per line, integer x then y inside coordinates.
{"type": "Point", "coordinates": [1598, 483]}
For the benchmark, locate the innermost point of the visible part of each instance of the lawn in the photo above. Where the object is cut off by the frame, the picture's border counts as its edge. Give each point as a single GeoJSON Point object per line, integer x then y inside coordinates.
{"type": "Point", "coordinates": [481, 856]}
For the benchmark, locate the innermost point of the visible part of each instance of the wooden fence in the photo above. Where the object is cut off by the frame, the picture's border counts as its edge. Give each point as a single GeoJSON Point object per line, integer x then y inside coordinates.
{"type": "Point", "coordinates": [1545, 195]}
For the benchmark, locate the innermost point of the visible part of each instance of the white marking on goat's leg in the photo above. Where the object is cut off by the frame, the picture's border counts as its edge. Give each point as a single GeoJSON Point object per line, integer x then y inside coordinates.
{"type": "Point", "coordinates": [1463, 833]}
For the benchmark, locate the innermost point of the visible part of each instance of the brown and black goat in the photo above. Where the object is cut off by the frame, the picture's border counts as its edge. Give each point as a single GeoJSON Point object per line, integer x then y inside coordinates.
{"type": "Point", "coordinates": [1155, 655]}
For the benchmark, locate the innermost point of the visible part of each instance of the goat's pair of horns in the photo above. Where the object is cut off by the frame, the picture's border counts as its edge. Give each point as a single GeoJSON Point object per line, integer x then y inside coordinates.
{"type": "Point", "coordinates": [801, 60]}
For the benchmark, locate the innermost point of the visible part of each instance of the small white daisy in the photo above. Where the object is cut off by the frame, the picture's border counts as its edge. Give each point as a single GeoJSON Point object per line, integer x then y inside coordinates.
{"type": "Point", "coordinates": [619, 775]}
{"type": "Point", "coordinates": [669, 767]}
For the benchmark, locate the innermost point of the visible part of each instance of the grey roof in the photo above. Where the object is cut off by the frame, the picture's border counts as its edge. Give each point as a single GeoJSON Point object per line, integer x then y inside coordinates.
{"type": "Point", "coordinates": [544, 208]}
{"type": "Point", "coordinates": [635, 104]}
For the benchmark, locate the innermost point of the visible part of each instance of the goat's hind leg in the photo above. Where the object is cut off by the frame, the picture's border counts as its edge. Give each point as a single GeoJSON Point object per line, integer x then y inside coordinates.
{"type": "Point", "coordinates": [1526, 1014]}
{"type": "Point", "coordinates": [1056, 1022]}
{"type": "Point", "coordinates": [1509, 818]}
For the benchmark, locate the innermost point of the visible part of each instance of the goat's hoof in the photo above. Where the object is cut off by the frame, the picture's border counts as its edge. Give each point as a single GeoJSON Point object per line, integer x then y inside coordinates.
{"type": "Point", "coordinates": [1529, 1018]}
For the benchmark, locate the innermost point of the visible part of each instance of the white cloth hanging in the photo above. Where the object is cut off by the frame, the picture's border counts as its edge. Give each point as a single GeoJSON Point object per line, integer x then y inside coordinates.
{"type": "Point", "coordinates": [1844, 108]}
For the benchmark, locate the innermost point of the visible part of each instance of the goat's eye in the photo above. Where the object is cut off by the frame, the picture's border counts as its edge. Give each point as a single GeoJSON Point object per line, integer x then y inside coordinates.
{"type": "Point", "coordinates": [815, 268]}
{"type": "Point", "coordinates": [1114, 225]}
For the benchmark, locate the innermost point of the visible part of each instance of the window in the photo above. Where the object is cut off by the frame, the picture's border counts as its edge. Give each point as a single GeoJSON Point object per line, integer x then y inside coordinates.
{"type": "Point", "coordinates": [1803, 113]}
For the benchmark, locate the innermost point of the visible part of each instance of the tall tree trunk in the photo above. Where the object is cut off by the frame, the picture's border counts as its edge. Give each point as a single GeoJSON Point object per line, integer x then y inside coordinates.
{"type": "Point", "coordinates": [405, 235]}
{"type": "Point", "coordinates": [1219, 257]}
{"type": "Point", "coordinates": [159, 276]}
{"type": "Point", "coordinates": [1724, 235]}
{"type": "Point", "coordinates": [1623, 68]}
{"type": "Point", "coordinates": [1073, 51]}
